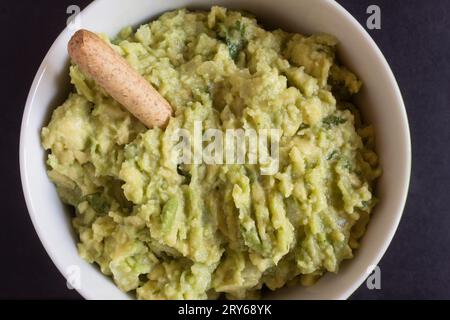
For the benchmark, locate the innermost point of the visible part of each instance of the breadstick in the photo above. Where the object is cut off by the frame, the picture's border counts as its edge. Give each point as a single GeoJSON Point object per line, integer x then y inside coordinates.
{"type": "Point", "coordinates": [112, 72]}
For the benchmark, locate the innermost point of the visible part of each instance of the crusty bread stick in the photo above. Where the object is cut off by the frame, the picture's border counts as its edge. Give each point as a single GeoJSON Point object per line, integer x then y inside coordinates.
{"type": "Point", "coordinates": [98, 60]}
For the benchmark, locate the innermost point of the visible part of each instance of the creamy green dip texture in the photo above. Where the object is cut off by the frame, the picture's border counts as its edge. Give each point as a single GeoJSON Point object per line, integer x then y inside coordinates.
{"type": "Point", "coordinates": [174, 231]}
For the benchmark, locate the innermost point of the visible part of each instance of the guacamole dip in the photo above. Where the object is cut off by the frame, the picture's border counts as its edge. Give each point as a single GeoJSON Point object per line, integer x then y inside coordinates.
{"type": "Point", "coordinates": [164, 230]}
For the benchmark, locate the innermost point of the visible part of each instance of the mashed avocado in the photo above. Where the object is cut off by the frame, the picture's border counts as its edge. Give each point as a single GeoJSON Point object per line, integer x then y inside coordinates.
{"type": "Point", "coordinates": [174, 231]}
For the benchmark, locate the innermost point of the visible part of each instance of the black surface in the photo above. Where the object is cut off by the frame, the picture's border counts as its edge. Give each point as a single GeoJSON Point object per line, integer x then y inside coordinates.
{"type": "Point", "coordinates": [415, 38]}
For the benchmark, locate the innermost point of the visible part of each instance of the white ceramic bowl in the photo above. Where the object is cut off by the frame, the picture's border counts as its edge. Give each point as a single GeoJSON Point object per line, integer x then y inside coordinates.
{"type": "Point", "coordinates": [380, 101]}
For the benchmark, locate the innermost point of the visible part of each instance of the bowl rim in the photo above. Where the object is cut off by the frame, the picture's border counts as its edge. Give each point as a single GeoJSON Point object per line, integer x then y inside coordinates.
{"type": "Point", "coordinates": [398, 96]}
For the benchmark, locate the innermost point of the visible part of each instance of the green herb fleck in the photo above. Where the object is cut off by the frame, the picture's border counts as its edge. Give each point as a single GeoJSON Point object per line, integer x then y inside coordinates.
{"type": "Point", "coordinates": [333, 121]}
{"type": "Point", "coordinates": [98, 202]}
{"type": "Point", "coordinates": [332, 154]}
{"type": "Point", "coordinates": [365, 204]}
{"type": "Point", "coordinates": [235, 39]}
{"type": "Point", "coordinates": [368, 205]}
{"type": "Point", "coordinates": [234, 48]}
{"type": "Point", "coordinates": [347, 164]}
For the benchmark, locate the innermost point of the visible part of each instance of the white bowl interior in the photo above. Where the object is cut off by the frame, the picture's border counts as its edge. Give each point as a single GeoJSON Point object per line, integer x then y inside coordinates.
{"type": "Point", "coordinates": [380, 102]}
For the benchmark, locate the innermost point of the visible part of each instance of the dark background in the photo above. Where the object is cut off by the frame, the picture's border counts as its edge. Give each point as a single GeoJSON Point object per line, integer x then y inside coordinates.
{"type": "Point", "coordinates": [415, 38]}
